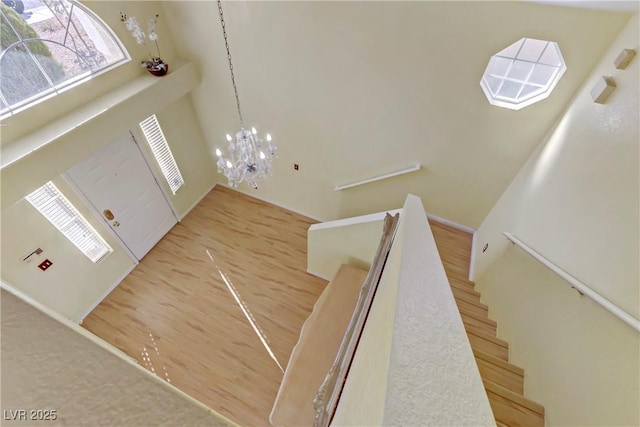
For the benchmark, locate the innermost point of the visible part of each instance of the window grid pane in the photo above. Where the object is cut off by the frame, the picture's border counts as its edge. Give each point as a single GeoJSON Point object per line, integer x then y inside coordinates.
{"type": "Point", "coordinates": [161, 151]}
{"type": "Point", "coordinates": [64, 39]}
{"type": "Point", "coordinates": [52, 204]}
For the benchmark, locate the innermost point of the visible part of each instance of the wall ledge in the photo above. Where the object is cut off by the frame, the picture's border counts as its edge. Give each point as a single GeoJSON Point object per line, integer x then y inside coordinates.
{"type": "Point", "coordinates": [107, 117]}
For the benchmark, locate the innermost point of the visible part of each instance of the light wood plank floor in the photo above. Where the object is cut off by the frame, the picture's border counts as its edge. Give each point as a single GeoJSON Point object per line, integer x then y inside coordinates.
{"type": "Point", "coordinates": [175, 315]}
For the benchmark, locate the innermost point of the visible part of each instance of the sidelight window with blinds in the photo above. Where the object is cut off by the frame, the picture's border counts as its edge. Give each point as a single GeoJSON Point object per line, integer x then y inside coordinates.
{"type": "Point", "coordinates": [161, 151]}
{"type": "Point", "coordinates": [52, 204]}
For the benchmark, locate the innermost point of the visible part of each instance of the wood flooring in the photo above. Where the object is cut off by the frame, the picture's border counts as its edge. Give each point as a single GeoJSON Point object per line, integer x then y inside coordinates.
{"type": "Point", "coordinates": [185, 317]}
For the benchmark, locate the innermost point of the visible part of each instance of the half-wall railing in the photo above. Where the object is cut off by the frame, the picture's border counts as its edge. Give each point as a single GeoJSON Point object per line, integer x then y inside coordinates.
{"type": "Point", "coordinates": [327, 396]}
{"type": "Point", "coordinates": [578, 285]}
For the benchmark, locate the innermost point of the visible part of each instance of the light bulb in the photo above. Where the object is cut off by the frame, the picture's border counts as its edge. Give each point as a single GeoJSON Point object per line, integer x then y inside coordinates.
{"type": "Point", "coordinates": [269, 137]}
{"type": "Point", "coordinates": [254, 131]}
{"type": "Point", "coordinates": [229, 164]}
{"type": "Point", "coordinates": [228, 137]}
{"type": "Point", "coordinates": [218, 152]}
{"type": "Point", "coordinates": [262, 156]}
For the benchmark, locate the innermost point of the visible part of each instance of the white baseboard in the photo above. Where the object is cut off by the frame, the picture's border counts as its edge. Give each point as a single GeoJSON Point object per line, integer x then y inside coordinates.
{"type": "Point", "coordinates": [450, 223]}
{"type": "Point", "coordinates": [111, 288]}
{"type": "Point", "coordinates": [472, 261]}
{"type": "Point", "coordinates": [263, 199]}
{"type": "Point", "coordinates": [197, 202]}
{"type": "Point", "coordinates": [322, 276]}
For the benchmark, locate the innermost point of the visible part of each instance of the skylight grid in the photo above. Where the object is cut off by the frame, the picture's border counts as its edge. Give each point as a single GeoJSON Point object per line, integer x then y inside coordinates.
{"type": "Point", "coordinates": [523, 73]}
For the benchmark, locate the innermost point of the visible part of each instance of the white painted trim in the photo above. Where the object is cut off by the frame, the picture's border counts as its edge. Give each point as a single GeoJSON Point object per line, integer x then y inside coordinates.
{"type": "Point", "coordinates": [111, 288]}
{"type": "Point", "coordinates": [410, 169]}
{"type": "Point", "coordinates": [166, 193]}
{"type": "Point", "coordinates": [472, 260]}
{"type": "Point", "coordinates": [102, 343]}
{"type": "Point", "coordinates": [379, 216]}
{"type": "Point", "coordinates": [272, 203]}
{"type": "Point", "coordinates": [322, 276]}
{"type": "Point", "coordinates": [575, 283]}
{"type": "Point", "coordinates": [197, 202]}
{"type": "Point", "coordinates": [450, 223]}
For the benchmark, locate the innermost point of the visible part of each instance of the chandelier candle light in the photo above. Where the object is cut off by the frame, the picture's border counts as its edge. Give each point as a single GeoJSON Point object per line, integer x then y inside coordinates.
{"type": "Point", "coordinates": [249, 159]}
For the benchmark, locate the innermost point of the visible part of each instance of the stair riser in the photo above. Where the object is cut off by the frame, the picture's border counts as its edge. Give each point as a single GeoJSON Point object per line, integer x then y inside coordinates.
{"type": "Point", "coordinates": [464, 296]}
{"type": "Point", "coordinates": [470, 323]}
{"type": "Point", "coordinates": [477, 317]}
{"type": "Point", "coordinates": [512, 414]}
{"type": "Point", "coordinates": [479, 310]}
{"type": "Point", "coordinates": [488, 347]}
{"type": "Point", "coordinates": [501, 376]}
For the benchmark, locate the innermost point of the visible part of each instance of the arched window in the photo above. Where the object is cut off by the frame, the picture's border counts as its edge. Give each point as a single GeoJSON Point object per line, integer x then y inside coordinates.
{"type": "Point", "coordinates": [48, 45]}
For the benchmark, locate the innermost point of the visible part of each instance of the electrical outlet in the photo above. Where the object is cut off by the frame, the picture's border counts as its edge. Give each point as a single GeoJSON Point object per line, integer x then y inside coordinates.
{"type": "Point", "coordinates": [45, 264]}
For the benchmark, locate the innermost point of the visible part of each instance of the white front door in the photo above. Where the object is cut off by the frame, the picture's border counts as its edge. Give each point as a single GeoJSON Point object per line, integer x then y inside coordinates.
{"type": "Point", "coordinates": [119, 184]}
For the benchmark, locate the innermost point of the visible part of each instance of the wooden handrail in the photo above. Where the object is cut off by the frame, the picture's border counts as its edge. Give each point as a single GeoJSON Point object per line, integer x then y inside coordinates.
{"type": "Point", "coordinates": [578, 285]}
{"type": "Point", "coordinates": [326, 399]}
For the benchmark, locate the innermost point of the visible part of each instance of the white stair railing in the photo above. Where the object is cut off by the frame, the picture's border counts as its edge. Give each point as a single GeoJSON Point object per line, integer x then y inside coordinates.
{"type": "Point", "coordinates": [577, 284]}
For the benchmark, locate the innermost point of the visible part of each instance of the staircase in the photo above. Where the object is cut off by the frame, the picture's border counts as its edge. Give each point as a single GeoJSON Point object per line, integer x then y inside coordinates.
{"type": "Point", "coordinates": [503, 382]}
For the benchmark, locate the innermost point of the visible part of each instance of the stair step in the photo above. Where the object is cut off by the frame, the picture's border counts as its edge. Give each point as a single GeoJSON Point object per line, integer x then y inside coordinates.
{"type": "Point", "coordinates": [452, 269]}
{"type": "Point", "coordinates": [479, 317]}
{"type": "Point", "coordinates": [513, 409]}
{"type": "Point", "coordinates": [478, 308]}
{"type": "Point", "coordinates": [465, 296]}
{"type": "Point", "coordinates": [479, 326]}
{"type": "Point", "coordinates": [488, 344]}
{"type": "Point", "coordinates": [500, 372]}
{"type": "Point", "coordinates": [464, 288]}
{"type": "Point", "coordinates": [461, 279]}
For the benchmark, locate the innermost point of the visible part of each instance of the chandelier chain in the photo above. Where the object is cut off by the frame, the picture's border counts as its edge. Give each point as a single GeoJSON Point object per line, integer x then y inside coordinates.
{"type": "Point", "coordinates": [233, 78]}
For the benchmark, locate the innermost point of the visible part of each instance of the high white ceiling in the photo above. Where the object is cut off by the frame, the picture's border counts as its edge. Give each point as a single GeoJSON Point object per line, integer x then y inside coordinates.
{"type": "Point", "coordinates": [352, 90]}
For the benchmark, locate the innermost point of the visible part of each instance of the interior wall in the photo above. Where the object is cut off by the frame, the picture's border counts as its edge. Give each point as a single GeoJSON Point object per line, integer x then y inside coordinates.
{"type": "Point", "coordinates": [576, 201]}
{"type": "Point", "coordinates": [74, 379]}
{"type": "Point", "coordinates": [413, 364]}
{"type": "Point", "coordinates": [73, 284]}
{"type": "Point", "coordinates": [184, 136]}
{"type": "Point", "coordinates": [352, 90]}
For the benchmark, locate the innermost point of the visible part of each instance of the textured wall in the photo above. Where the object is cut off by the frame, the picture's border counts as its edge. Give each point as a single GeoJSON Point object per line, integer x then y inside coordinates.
{"type": "Point", "coordinates": [351, 90]}
{"type": "Point", "coordinates": [414, 364]}
{"type": "Point", "coordinates": [47, 365]}
{"type": "Point", "coordinates": [577, 202]}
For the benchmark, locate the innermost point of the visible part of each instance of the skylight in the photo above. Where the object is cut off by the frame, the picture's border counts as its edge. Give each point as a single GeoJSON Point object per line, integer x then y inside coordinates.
{"type": "Point", "coordinates": [522, 74]}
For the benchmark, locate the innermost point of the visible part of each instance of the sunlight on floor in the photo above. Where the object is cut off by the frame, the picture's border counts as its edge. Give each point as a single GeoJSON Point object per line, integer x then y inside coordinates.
{"type": "Point", "coordinates": [246, 311]}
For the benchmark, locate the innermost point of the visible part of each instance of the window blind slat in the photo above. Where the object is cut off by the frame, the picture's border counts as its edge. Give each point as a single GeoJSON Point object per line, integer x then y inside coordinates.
{"type": "Point", "coordinates": [52, 204]}
{"type": "Point", "coordinates": [161, 151]}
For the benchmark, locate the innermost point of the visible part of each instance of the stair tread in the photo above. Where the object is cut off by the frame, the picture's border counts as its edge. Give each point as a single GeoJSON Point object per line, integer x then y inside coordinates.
{"type": "Point", "coordinates": [514, 397]}
{"type": "Point", "coordinates": [487, 337]}
{"type": "Point", "coordinates": [467, 323]}
{"type": "Point", "coordinates": [480, 317]}
{"type": "Point", "coordinates": [479, 354]}
{"type": "Point", "coordinates": [477, 304]}
{"type": "Point", "coordinates": [464, 288]}
{"type": "Point", "coordinates": [462, 295]}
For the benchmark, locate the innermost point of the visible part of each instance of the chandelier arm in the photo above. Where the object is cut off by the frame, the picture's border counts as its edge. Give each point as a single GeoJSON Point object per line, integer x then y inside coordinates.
{"type": "Point", "coordinates": [233, 78]}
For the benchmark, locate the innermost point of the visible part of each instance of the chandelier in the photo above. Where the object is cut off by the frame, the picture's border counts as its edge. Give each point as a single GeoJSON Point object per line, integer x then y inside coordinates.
{"type": "Point", "coordinates": [249, 158]}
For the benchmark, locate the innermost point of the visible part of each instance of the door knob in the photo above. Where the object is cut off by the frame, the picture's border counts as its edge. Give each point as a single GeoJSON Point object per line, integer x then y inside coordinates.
{"type": "Point", "coordinates": [108, 214]}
